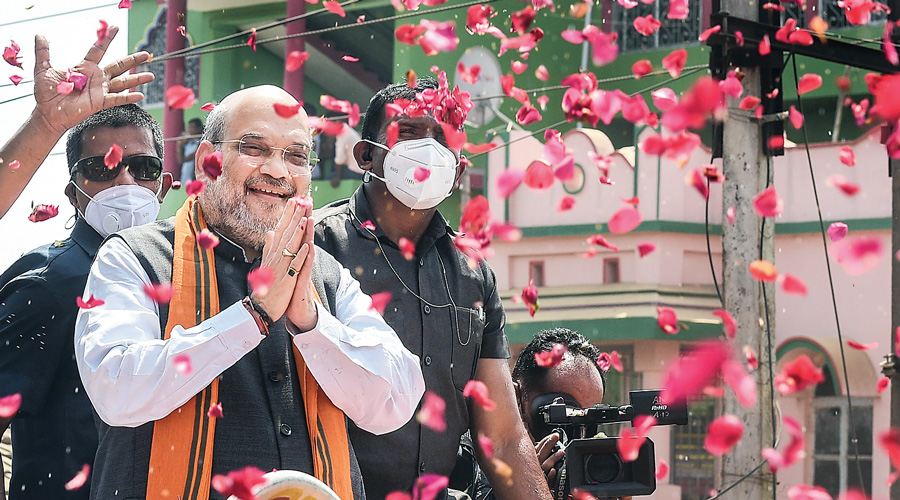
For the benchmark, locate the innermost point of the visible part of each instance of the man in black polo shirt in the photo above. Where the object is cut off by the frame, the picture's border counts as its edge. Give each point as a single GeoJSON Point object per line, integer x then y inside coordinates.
{"type": "Point", "coordinates": [392, 237]}
{"type": "Point", "coordinates": [53, 433]}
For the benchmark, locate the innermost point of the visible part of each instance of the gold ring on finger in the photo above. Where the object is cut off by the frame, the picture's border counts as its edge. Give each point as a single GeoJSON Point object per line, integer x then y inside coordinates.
{"type": "Point", "coordinates": [291, 271]}
{"type": "Point", "coordinates": [287, 253]}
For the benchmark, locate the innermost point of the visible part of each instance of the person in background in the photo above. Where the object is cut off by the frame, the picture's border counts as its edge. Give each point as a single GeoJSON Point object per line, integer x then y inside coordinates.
{"type": "Point", "coordinates": [577, 377]}
{"type": "Point", "coordinates": [55, 113]}
{"type": "Point", "coordinates": [188, 148]}
{"type": "Point", "coordinates": [446, 312]}
{"type": "Point", "coordinates": [53, 433]}
{"type": "Point", "coordinates": [236, 369]}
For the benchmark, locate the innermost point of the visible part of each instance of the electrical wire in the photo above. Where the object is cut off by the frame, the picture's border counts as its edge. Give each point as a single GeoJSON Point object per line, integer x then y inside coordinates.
{"type": "Point", "coordinates": [58, 14]}
{"type": "Point", "coordinates": [769, 347]}
{"type": "Point", "coordinates": [837, 320]}
{"type": "Point", "coordinates": [712, 267]}
{"type": "Point", "coordinates": [339, 27]}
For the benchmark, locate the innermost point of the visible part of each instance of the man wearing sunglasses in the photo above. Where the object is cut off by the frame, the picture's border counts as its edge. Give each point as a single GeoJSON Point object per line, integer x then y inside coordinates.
{"type": "Point", "coordinates": [267, 346]}
{"type": "Point", "coordinates": [54, 434]}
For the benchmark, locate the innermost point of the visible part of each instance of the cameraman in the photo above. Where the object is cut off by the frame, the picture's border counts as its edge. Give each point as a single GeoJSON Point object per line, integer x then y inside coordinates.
{"type": "Point", "coordinates": [577, 376]}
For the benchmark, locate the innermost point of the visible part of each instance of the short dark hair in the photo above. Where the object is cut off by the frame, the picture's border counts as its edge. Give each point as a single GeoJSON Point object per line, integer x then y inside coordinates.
{"type": "Point", "coordinates": [530, 375]}
{"type": "Point", "coordinates": [196, 121]}
{"type": "Point", "coordinates": [114, 117]}
{"type": "Point", "coordinates": [374, 118]}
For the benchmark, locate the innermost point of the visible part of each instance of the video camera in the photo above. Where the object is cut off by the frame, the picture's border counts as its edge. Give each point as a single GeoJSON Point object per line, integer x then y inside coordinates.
{"type": "Point", "coordinates": [593, 464]}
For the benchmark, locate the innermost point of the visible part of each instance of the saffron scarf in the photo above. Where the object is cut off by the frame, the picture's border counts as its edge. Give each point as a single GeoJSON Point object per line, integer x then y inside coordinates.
{"type": "Point", "coordinates": [182, 450]}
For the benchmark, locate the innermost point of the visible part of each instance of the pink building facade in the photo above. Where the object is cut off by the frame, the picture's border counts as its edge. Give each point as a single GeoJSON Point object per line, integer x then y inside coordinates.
{"type": "Point", "coordinates": [611, 297]}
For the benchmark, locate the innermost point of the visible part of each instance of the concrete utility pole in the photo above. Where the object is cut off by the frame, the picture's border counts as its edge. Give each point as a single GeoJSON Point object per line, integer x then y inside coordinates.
{"type": "Point", "coordinates": [746, 174]}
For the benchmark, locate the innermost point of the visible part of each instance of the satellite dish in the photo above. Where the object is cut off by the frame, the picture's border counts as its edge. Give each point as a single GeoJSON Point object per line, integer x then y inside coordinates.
{"type": "Point", "coordinates": [487, 85]}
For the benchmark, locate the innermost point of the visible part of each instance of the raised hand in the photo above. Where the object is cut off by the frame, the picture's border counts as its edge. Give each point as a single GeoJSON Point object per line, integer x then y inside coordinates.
{"type": "Point", "coordinates": [301, 310]}
{"type": "Point", "coordinates": [106, 87]}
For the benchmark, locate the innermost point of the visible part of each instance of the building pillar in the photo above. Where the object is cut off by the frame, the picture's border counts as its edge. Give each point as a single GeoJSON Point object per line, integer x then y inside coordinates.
{"type": "Point", "coordinates": [173, 119]}
{"type": "Point", "coordinates": [293, 80]}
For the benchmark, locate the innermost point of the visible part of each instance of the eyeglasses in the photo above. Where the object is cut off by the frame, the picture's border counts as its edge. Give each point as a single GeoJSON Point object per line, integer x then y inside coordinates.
{"type": "Point", "coordinates": [298, 158]}
{"type": "Point", "coordinates": [141, 167]}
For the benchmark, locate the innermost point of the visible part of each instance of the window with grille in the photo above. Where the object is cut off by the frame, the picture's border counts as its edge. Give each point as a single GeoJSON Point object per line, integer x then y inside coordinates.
{"type": "Point", "coordinates": [834, 451]}
{"type": "Point", "coordinates": [693, 468]}
{"type": "Point", "coordinates": [672, 32]}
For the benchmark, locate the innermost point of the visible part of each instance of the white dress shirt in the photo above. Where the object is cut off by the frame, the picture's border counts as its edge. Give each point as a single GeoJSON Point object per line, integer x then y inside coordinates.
{"type": "Point", "coordinates": [131, 379]}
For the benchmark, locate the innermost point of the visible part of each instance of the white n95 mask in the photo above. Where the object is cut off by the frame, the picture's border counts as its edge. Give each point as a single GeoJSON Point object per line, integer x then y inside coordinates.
{"type": "Point", "coordinates": [120, 207]}
{"type": "Point", "coordinates": [400, 169]}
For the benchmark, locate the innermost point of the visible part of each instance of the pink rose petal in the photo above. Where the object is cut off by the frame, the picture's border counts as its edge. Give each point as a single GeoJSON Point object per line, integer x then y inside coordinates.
{"type": "Point", "coordinates": [78, 481]}
{"type": "Point", "coordinates": [723, 434]}
{"type": "Point", "coordinates": [9, 405]}
{"type": "Point", "coordinates": [182, 364]}
{"type": "Point", "coordinates": [431, 414]}
{"type": "Point", "coordinates": [380, 300]}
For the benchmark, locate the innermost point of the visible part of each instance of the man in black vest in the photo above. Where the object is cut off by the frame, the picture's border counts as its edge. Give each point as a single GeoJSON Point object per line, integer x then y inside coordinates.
{"type": "Point", "coordinates": [447, 312]}
{"type": "Point", "coordinates": [140, 369]}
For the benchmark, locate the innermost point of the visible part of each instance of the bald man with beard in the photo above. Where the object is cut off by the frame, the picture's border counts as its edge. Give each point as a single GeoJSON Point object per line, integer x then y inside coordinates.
{"type": "Point", "coordinates": [227, 374]}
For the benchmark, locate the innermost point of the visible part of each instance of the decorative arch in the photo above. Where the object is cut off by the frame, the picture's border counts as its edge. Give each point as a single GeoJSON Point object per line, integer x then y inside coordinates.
{"type": "Point", "coordinates": [827, 353]}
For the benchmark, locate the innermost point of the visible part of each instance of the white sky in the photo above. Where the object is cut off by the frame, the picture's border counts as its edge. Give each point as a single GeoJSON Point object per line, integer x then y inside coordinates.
{"type": "Point", "coordinates": [70, 36]}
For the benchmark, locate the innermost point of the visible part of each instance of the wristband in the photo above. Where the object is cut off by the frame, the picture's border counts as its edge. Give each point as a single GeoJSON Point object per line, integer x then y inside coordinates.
{"type": "Point", "coordinates": [262, 319]}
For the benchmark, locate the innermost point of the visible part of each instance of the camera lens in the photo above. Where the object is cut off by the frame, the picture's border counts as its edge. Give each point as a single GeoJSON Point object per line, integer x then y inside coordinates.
{"type": "Point", "coordinates": [602, 468]}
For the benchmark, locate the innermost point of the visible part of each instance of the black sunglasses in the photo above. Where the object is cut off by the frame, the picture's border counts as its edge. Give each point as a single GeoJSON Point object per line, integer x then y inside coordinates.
{"type": "Point", "coordinates": [141, 167]}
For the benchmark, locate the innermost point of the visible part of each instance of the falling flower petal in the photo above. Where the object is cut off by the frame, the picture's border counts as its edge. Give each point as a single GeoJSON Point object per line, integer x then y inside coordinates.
{"type": "Point", "coordinates": [629, 444]}
{"type": "Point", "coordinates": [207, 239]}
{"type": "Point", "coordinates": [349, 58]}
{"type": "Point", "coordinates": [539, 176]}
{"type": "Point", "coordinates": [260, 279]}
{"type": "Point", "coordinates": [208, 107]}
{"type": "Point", "coordinates": [407, 248]}
{"type": "Point", "coordinates": [368, 225]}
{"type": "Point", "coordinates": [890, 443]}
{"type": "Point", "coordinates": [215, 411]}
{"type": "Point", "coordinates": [212, 164]}
{"type": "Point", "coordinates": [239, 483]}
{"type": "Point", "coordinates": [624, 220]}
{"type": "Point", "coordinates": [39, 212]}
{"type": "Point", "coordinates": [113, 156]}
{"type": "Point", "coordinates": [675, 61]}
{"type": "Point", "coordinates": [883, 384]}
{"type": "Point", "coordinates": [767, 203]}
{"type": "Point", "coordinates": [664, 99]}
{"type": "Point", "coordinates": [729, 325]}
{"type": "Point", "coordinates": [646, 25]}
{"type": "Point", "coordinates": [102, 32]}
{"type": "Point", "coordinates": [844, 184]}
{"type": "Point", "coordinates": [432, 413]}
{"type": "Point", "coordinates": [696, 180]}
{"type": "Point", "coordinates": [179, 97]}
{"type": "Point", "coordinates": [334, 7]}
{"type": "Point", "coordinates": [11, 54]}
{"type": "Point", "coordinates": [641, 68]}
{"type": "Point", "coordinates": [709, 32]}
{"type": "Point", "coordinates": [603, 361]}
{"type": "Point", "coordinates": [678, 9]}
{"type": "Point", "coordinates": [125, 4]}
{"type": "Point", "coordinates": [804, 492]}
{"type": "Point", "coordinates": [9, 405]}
{"type": "Point", "coordinates": [428, 486]}
{"type": "Point", "coordinates": [601, 241]}
{"type": "Point", "coordinates": [722, 434]}
{"type": "Point", "coordinates": [78, 481]}
{"type": "Point", "coordinates": [857, 254]}
{"type": "Point", "coordinates": [551, 358]}
{"type": "Point", "coordinates": [862, 347]}
{"type": "Point", "coordinates": [793, 285]}
{"type": "Point", "coordinates": [182, 364]}
{"type": "Point", "coordinates": [541, 73]}
{"type": "Point", "coordinates": [662, 470]}
{"type": "Point", "coordinates": [687, 375]}
{"type": "Point", "coordinates": [847, 156]}
{"type": "Point", "coordinates": [798, 375]}
{"type": "Point", "coordinates": [15, 79]}
{"type": "Point", "coordinates": [65, 88]}
{"type": "Point", "coordinates": [615, 361]}
{"type": "Point", "coordinates": [765, 47]}
{"type": "Point", "coordinates": [251, 41]}
{"type": "Point", "coordinates": [741, 383]}
{"type": "Point", "coordinates": [565, 204]}
{"type": "Point", "coordinates": [476, 390]}
{"type": "Point", "coordinates": [295, 60]}
{"type": "Point", "coordinates": [13, 165]}
{"type": "Point", "coordinates": [195, 187]}
{"type": "Point", "coordinates": [530, 297]}
{"type": "Point", "coordinates": [793, 452]}
{"type": "Point", "coordinates": [528, 114]}
{"type": "Point", "coordinates": [380, 301]}
{"type": "Point", "coordinates": [645, 248]}
{"type": "Point", "coordinates": [808, 83]}
{"type": "Point", "coordinates": [286, 110]}
{"type": "Point", "coordinates": [750, 356]}
{"type": "Point", "coordinates": [161, 293]}
{"type": "Point", "coordinates": [837, 231]}
{"type": "Point", "coordinates": [90, 303]}
{"type": "Point", "coordinates": [508, 181]}
{"type": "Point", "coordinates": [763, 270]}
{"type": "Point", "coordinates": [666, 319]}
{"type": "Point", "coordinates": [796, 117]}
